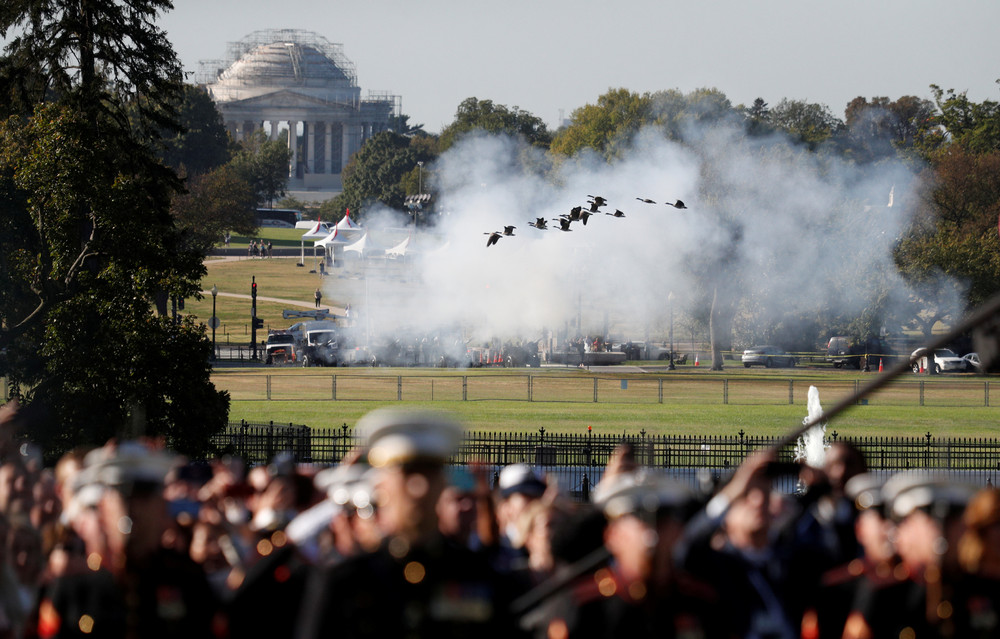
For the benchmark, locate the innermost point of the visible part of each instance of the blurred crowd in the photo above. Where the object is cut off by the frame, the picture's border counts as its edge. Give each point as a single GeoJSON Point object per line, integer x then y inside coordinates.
{"type": "Point", "coordinates": [130, 540]}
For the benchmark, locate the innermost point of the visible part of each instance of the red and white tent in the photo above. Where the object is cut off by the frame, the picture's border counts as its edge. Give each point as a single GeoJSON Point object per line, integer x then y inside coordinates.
{"type": "Point", "coordinates": [318, 231]}
{"type": "Point", "coordinates": [347, 224]}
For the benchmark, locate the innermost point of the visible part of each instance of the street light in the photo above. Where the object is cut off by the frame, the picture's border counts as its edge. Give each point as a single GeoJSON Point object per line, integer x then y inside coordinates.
{"type": "Point", "coordinates": [420, 178]}
{"type": "Point", "coordinates": [670, 299]}
{"type": "Point", "coordinates": [215, 320]}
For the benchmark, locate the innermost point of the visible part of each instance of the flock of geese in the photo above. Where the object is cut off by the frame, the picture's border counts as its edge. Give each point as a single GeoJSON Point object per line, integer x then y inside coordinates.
{"type": "Point", "coordinates": [576, 214]}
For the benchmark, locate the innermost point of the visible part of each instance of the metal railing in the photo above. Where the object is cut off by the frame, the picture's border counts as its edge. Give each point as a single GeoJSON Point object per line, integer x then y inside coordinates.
{"type": "Point", "coordinates": [598, 388]}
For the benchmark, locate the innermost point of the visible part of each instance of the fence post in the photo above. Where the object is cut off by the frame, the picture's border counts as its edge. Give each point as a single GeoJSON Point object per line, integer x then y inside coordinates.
{"type": "Point", "coordinates": [399, 388]}
{"type": "Point", "coordinates": [921, 392]}
{"type": "Point", "coordinates": [986, 392]}
{"type": "Point", "coordinates": [585, 488]}
{"type": "Point", "coordinates": [595, 390]}
{"type": "Point", "coordinates": [346, 447]}
{"type": "Point", "coordinates": [791, 393]}
{"type": "Point", "coordinates": [530, 389]}
{"type": "Point", "coordinates": [268, 386]}
{"type": "Point", "coordinates": [465, 388]}
{"type": "Point", "coordinates": [333, 387]}
{"type": "Point", "coordinates": [660, 391]}
{"type": "Point", "coordinates": [725, 391]}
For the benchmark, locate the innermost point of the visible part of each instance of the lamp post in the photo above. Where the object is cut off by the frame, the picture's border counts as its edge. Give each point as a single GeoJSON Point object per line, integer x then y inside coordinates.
{"type": "Point", "coordinates": [215, 320]}
{"type": "Point", "coordinates": [670, 299]}
{"type": "Point", "coordinates": [420, 178]}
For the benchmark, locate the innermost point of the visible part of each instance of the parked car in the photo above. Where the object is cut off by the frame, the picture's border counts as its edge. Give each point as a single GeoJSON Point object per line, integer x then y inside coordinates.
{"type": "Point", "coordinates": [843, 352]}
{"type": "Point", "coordinates": [972, 363]}
{"type": "Point", "coordinates": [945, 361]}
{"type": "Point", "coordinates": [767, 356]}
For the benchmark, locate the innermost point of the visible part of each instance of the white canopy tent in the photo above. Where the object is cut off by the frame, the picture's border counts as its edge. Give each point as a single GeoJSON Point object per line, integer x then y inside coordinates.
{"type": "Point", "coordinates": [400, 249]}
{"type": "Point", "coordinates": [318, 231]}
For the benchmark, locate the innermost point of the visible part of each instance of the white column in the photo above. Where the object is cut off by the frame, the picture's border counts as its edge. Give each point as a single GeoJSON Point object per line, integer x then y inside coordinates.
{"type": "Point", "coordinates": [309, 137]}
{"type": "Point", "coordinates": [328, 147]}
{"type": "Point", "coordinates": [274, 130]}
{"type": "Point", "coordinates": [293, 144]}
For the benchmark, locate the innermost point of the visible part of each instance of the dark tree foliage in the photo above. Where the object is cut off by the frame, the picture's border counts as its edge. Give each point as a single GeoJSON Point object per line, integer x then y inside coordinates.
{"type": "Point", "coordinates": [202, 143]}
{"type": "Point", "coordinates": [376, 172]}
{"type": "Point", "coordinates": [263, 164]}
{"type": "Point", "coordinates": [89, 242]}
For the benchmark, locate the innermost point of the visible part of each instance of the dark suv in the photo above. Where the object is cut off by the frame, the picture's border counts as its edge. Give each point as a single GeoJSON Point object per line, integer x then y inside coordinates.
{"type": "Point", "coordinates": [843, 352]}
{"type": "Point", "coordinates": [280, 347]}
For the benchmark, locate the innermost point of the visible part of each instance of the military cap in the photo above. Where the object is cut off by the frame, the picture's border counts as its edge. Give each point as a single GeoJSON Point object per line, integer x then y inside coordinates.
{"type": "Point", "coordinates": [640, 492]}
{"type": "Point", "coordinates": [940, 495]}
{"type": "Point", "coordinates": [397, 436]}
{"type": "Point", "coordinates": [521, 479]}
{"type": "Point", "coordinates": [128, 462]}
{"type": "Point", "coordinates": [865, 490]}
{"type": "Point", "coordinates": [348, 485]}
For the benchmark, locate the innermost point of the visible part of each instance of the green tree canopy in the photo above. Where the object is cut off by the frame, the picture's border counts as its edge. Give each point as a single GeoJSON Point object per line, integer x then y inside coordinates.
{"type": "Point", "coordinates": [806, 122]}
{"type": "Point", "coordinates": [263, 164]}
{"type": "Point", "coordinates": [89, 242]}
{"type": "Point", "coordinates": [474, 114]}
{"type": "Point", "coordinates": [606, 127]}
{"type": "Point", "coordinates": [376, 173]}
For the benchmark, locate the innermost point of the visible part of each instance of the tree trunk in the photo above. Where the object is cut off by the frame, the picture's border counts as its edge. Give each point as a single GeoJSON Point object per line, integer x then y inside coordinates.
{"type": "Point", "coordinates": [713, 338]}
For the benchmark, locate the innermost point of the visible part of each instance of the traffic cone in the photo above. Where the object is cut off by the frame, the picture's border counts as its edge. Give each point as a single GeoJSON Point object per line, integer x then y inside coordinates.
{"type": "Point", "coordinates": [880, 364]}
{"type": "Point", "coordinates": [921, 367]}
{"type": "Point", "coordinates": [696, 359]}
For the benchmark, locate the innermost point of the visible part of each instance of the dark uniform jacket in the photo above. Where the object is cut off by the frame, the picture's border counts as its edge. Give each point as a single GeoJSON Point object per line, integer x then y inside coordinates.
{"type": "Point", "coordinates": [438, 590]}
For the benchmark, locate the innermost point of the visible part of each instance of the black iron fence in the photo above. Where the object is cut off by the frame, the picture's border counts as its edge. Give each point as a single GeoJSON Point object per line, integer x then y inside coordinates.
{"type": "Point", "coordinates": [577, 461]}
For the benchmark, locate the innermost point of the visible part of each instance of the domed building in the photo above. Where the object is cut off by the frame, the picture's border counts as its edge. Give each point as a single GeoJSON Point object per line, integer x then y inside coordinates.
{"type": "Point", "coordinates": [283, 80]}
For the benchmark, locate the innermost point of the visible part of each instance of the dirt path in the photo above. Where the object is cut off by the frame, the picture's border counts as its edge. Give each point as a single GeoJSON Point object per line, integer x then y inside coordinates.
{"type": "Point", "coordinates": [336, 310]}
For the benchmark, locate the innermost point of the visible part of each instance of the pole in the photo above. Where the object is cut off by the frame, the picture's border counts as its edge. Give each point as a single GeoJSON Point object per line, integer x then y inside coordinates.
{"type": "Point", "coordinates": [215, 319]}
{"type": "Point", "coordinates": [670, 298]}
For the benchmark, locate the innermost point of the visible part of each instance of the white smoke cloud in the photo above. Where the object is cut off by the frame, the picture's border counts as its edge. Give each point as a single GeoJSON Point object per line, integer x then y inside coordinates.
{"type": "Point", "coordinates": [796, 227]}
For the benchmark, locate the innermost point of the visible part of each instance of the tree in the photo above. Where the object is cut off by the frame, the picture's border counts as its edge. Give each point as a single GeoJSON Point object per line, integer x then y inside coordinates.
{"type": "Point", "coordinates": [401, 124]}
{"type": "Point", "coordinates": [974, 126]}
{"type": "Point", "coordinates": [606, 127]}
{"type": "Point", "coordinates": [809, 123]}
{"type": "Point", "coordinates": [216, 202]}
{"type": "Point", "coordinates": [474, 114]}
{"type": "Point", "coordinates": [263, 164]}
{"type": "Point", "coordinates": [376, 172]}
{"type": "Point", "coordinates": [952, 250]}
{"type": "Point", "coordinates": [89, 242]}
{"type": "Point", "coordinates": [881, 128]}
{"type": "Point", "coordinates": [202, 143]}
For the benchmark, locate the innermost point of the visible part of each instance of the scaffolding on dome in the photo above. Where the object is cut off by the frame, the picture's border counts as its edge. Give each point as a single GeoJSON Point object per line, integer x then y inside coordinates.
{"type": "Point", "coordinates": [211, 70]}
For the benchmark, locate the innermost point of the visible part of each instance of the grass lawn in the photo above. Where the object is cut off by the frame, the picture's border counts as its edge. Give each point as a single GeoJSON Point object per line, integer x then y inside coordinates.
{"type": "Point", "coordinates": [693, 406]}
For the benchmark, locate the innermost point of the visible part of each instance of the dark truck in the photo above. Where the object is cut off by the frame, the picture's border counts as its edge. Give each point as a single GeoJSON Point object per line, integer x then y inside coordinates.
{"type": "Point", "coordinates": [280, 348]}
{"type": "Point", "coordinates": [317, 343]}
{"type": "Point", "coordinates": [844, 352]}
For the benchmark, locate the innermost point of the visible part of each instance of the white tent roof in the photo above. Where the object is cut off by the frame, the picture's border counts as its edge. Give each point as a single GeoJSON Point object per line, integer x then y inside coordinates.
{"type": "Point", "coordinates": [400, 249]}
{"type": "Point", "coordinates": [319, 230]}
{"type": "Point", "coordinates": [360, 246]}
{"type": "Point", "coordinates": [347, 223]}
{"type": "Point", "coordinates": [332, 238]}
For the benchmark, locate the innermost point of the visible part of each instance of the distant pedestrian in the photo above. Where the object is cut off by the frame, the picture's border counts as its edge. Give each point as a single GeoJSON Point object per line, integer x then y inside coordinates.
{"type": "Point", "coordinates": [270, 248]}
{"type": "Point", "coordinates": [319, 297]}
{"type": "Point", "coordinates": [227, 238]}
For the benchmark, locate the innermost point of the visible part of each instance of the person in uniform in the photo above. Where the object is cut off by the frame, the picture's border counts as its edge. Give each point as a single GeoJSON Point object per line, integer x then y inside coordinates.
{"type": "Point", "coordinates": [639, 592]}
{"type": "Point", "coordinates": [918, 600]}
{"type": "Point", "coordinates": [417, 583]}
{"type": "Point", "coordinates": [134, 587]}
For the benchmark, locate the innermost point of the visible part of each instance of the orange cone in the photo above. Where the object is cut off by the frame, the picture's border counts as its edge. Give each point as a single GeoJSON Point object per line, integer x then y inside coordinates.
{"type": "Point", "coordinates": [880, 364]}
{"type": "Point", "coordinates": [696, 359]}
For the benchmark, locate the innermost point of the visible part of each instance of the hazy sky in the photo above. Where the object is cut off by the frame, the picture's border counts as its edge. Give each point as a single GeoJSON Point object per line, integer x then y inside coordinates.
{"type": "Point", "coordinates": [550, 57]}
